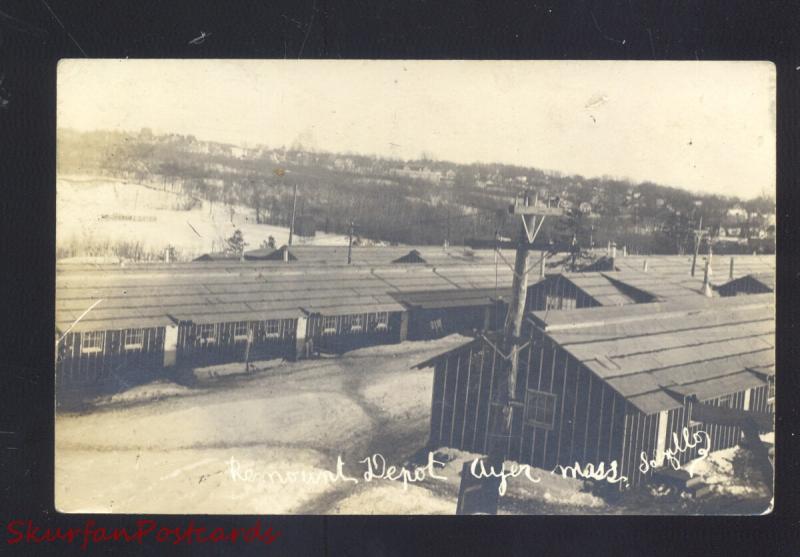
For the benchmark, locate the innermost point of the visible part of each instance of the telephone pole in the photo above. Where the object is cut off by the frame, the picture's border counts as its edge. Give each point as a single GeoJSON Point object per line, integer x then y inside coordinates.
{"type": "Point", "coordinates": [350, 243]}
{"type": "Point", "coordinates": [447, 234]}
{"type": "Point", "coordinates": [698, 236]}
{"type": "Point", "coordinates": [504, 399]}
{"type": "Point", "coordinates": [294, 208]}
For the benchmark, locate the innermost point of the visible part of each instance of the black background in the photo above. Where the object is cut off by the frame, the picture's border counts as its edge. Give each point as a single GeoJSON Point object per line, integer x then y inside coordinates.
{"type": "Point", "coordinates": [35, 34]}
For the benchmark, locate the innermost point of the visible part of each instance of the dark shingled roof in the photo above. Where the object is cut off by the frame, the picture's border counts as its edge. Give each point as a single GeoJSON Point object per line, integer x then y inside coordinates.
{"type": "Point", "coordinates": [212, 292]}
{"type": "Point", "coordinates": [655, 354]}
{"type": "Point", "coordinates": [650, 352]}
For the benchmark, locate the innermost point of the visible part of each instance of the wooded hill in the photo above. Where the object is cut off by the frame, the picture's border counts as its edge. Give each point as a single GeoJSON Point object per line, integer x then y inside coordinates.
{"type": "Point", "coordinates": [414, 202]}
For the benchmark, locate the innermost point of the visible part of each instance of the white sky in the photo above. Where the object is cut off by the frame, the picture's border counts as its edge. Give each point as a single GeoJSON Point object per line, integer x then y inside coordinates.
{"type": "Point", "coordinates": [704, 126]}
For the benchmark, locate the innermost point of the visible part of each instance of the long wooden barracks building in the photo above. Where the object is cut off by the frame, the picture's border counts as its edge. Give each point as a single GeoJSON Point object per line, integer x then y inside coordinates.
{"type": "Point", "coordinates": [635, 358]}
{"type": "Point", "coordinates": [132, 323]}
{"type": "Point", "coordinates": [128, 324]}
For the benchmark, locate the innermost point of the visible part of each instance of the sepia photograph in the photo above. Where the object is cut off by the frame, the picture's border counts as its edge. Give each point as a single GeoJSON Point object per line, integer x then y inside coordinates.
{"type": "Point", "coordinates": [415, 287]}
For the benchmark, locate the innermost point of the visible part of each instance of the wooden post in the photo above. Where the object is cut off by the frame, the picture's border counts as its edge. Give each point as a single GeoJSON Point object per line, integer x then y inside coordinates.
{"type": "Point", "coordinates": [294, 208]}
{"type": "Point", "coordinates": [350, 245]}
{"type": "Point", "coordinates": [500, 430]}
{"type": "Point", "coordinates": [644, 266]}
{"type": "Point", "coordinates": [697, 237]}
{"type": "Point", "coordinates": [447, 235]}
{"type": "Point", "coordinates": [730, 273]}
{"type": "Point", "coordinates": [247, 348]}
{"type": "Point", "coordinates": [706, 279]}
{"type": "Point", "coordinates": [542, 264]}
{"type": "Point", "coordinates": [504, 397]}
{"type": "Point", "coordinates": [300, 337]}
{"type": "Point", "coordinates": [402, 333]}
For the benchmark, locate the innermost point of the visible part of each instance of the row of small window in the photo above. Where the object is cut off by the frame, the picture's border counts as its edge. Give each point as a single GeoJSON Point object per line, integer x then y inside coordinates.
{"type": "Point", "coordinates": [207, 334]}
{"type": "Point", "coordinates": [94, 342]}
{"type": "Point", "coordinates": [355, 323]}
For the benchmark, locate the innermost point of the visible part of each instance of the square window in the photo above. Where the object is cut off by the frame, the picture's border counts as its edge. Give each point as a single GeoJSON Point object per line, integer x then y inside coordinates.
{"type": "Point", "coordinates": [272, 329]}
{"type": "Point", "coordinates": [240, 331]}
{"type": "Point", "coordinates": [357, 323]}
{"type": "Point", "coordinates": [328, 325]}
{"type": "Point", "coordinates": [552, 302]}
{"type": "Point", "coordinates": [207, 334]}
{"type": "Point", "coordinates": [379, 321]}
{"type": "Point", "coordinates": [134, 339]}
{"type": "Point", "coordinates": [540, 409]}
{"type": "Point", "coordinates": [92, 342]}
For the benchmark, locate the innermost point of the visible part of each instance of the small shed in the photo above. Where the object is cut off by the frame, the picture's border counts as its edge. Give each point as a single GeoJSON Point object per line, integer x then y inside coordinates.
{"type": "Point", "coordinates": [610, 384]}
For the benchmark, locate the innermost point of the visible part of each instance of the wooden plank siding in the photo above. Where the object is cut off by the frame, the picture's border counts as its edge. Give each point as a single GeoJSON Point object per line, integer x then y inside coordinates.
{"type": "Point", "coordinates": [430, 323]}
{"type": "Point", "coordinates": [587, 425]}
{"type": "Point", "coordinates": [340, 333]}
{"type": "Point", "coordinates": [218, 343]}
{"type": "Point", "coordinates": [113, 360]}
{"type": "Point", "coordinates": [592, 423]}
{"type": "Point", "coordinates": [557, 293]}
{"type": "Point", "coordinates": [641, 431]}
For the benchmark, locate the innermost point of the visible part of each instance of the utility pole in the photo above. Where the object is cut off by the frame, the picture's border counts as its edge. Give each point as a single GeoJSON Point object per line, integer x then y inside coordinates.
{"type": "Point", "coordinates": [504, 398]}
{"type": "Point", "coordinates": [294, 208]}
{"type": "Point", "coordinates": [698, 236]}
{"type": "Point", "coordinates": [350, 243]}
{"type": "Point", "coordinates": [447, 234]}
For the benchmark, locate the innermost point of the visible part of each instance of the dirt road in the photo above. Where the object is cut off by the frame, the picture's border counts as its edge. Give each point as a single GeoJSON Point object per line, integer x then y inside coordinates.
{"type": "Point", "coordinates": [174, 455]}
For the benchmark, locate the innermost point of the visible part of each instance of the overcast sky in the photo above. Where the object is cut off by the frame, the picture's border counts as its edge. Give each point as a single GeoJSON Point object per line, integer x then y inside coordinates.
{"type": "Point", "coordinates": [703, 126]}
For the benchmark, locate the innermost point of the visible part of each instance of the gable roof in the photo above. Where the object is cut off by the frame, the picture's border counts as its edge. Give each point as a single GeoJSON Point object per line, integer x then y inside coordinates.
{"type": "Point", "coordinates": [604, 289]}
{"type": "Point", "coordinates": [756, 282]}
{"type": "Point", "coordinates": [217, 292]}
{"type": "Point", "coordinates": [679, 266]}
{"type": "Point", "coordinates": [653, 354]}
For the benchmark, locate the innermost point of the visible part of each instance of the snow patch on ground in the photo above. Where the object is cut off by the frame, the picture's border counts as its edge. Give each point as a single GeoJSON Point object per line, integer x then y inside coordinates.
{"type": "Point", "coordinates": [392, 498]}
{"type": "Point", "coordinates": [551, 489]}
{"type": "Point", "coordinates": [156, 390]}
{"type": "Point", "coordinates": [100, 209]}
{"type": "Point", "coordinates": [323, 421]}
{"type": "Point", "coordinates": [401, 396]}
{"type": "Point", "coordinates": [730, 472]}
{"type": "Point", "coordinates": [211, 373]}
{"type": "Point", "coordinates": [180, 481]}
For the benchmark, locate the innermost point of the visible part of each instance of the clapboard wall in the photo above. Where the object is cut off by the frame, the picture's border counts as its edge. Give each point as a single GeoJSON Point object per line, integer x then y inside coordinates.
{"type": "Point", "coordinates": [555, 292]}
{"type": "Point", "coordinates": [592, 423]}
{"type": "Point", "coordinates": [106, 357]}
{"type": "Point", "coordinates": [219, 343]}
{"type": "Point", "coordinates": [588, 416]}
{"type": "Point", "coordinates": [340, 333]}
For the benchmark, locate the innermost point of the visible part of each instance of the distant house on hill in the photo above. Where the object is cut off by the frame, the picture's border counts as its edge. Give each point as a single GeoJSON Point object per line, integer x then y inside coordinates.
{"type": "Point", "coordinates": [737, 213]}
{"type": "Point", "coordinates": [418, 172]}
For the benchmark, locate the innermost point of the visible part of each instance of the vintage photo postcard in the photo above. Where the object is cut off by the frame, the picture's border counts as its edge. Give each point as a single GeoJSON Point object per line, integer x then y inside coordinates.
{"type": "Point", "coordinates": [415, 287]}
